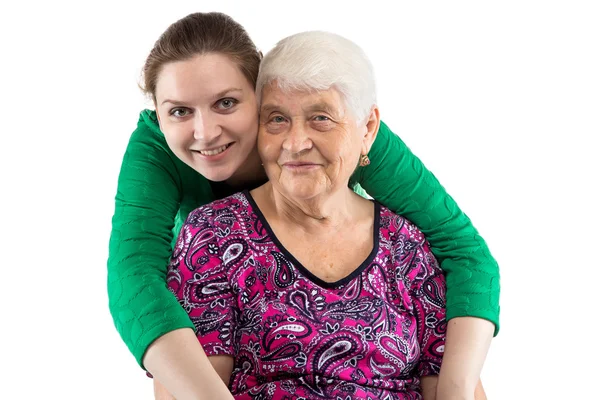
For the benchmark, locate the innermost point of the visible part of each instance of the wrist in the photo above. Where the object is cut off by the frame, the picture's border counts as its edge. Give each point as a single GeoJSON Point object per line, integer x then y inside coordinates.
{"type": "Point", "coordinates": [454, 389]}
{"type": "Point", "coordinates": [442, 394]}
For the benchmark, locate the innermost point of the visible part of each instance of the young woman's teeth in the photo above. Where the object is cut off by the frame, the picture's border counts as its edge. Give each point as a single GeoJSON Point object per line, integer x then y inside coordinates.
{"type": "Point", "coordinates": [214, 152]}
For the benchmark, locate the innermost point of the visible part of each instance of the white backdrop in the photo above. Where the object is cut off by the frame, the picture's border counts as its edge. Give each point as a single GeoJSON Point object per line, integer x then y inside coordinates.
{"type": "Point", "coordinates": [501, 101]}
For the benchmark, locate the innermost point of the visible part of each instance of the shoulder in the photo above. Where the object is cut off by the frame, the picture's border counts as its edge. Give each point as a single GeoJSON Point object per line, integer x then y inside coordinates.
{"type": "Point", "coordinates": [208, 230]}
{"type": "Point", "coordinates": [149, 156]}
{"type": "Point", "coordinates": [147, 145]}
{"type": "Point", "coordinates": [149, 178]}
{"type": "Point", "coordinates": [410, 251]}
{"type": "Point", "coordinates": [148, 131]}
{"type": "Point", "coordinates": [221, 213]}
{"type": "Point", "coordinates": [400, 228]}
{"type": "Point", "coordinates": [149, 120]}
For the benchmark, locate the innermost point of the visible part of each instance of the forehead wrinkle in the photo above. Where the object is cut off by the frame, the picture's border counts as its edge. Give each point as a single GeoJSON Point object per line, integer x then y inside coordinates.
{"type": "Point", "coordinates": [270, 107]}
{"type": "Point", "coordinates": [321, 106]}
{"type": "Point", "coordinates": [325, 107]}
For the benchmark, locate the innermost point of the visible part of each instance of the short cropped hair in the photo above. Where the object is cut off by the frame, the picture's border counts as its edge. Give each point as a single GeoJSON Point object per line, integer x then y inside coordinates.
{"type": "Point", "coordinates": [319, 60]}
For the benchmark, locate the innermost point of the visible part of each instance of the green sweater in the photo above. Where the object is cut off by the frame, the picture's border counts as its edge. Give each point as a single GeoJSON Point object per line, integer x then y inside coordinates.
{"type": "Point", "coordinates": [156, 191]}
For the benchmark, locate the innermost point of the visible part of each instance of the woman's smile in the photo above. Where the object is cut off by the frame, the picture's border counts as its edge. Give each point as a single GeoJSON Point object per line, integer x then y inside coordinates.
{"type": "Point", "coordinates": [214, 154]}
{"type": "Point", "coordinates": [300, 166]}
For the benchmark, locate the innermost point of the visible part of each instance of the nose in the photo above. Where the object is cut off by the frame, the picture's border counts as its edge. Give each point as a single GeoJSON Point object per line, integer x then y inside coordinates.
{"type": "Point", "coordinates": [205, 128]}
{"type": "Point", "coordinates": [297, 138]}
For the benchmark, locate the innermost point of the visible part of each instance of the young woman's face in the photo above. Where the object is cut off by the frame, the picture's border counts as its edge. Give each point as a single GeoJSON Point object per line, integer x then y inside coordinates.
{"type": "Point", "coordinates": [207, 110]}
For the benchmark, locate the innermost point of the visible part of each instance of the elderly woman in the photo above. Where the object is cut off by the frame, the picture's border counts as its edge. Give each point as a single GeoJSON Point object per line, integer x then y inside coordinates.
{"type": "Point", "coordinates": [301, 288]}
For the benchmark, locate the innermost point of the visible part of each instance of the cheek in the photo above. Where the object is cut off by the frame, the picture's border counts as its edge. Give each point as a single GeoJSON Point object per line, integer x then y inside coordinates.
{"type": "Point", "coordinates": [342, 156]}
{"type": "Point", "coordinates": [267, 147]}
{"type": "Point", "coordinates": [174, 135]}
{"type": "Point", "coordinates": [339, 151]}
{"type": "Point", "coordinates": [183, 132]}
{"type": "Point", "coordinates": [245, 124]}
{"type": "Point", "coordinates": [351, 148]}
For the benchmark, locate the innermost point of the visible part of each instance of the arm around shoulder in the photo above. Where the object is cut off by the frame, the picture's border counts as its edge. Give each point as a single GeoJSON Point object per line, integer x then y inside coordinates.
{"type": "Point", "coordinates": [146, 204]}
{"type": "Point", "coordinates": [399, 180]}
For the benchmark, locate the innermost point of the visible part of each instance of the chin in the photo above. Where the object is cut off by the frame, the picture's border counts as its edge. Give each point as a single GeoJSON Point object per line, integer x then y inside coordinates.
{"type": "Point", "coordinates": [303, 193]}
{"type": "Point", "coordinates": [215, 175]}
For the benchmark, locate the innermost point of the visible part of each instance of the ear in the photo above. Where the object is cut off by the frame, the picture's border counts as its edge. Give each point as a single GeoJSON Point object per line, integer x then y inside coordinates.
{"type": "Point", "coordinates": [372, 127]}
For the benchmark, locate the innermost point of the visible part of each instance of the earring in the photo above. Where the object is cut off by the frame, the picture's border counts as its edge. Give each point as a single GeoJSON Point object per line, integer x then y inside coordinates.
{"type": "Point", "coordinates": [364, 160]}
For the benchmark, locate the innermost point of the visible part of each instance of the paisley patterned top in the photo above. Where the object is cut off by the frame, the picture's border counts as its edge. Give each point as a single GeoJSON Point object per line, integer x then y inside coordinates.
{"type": "Point", "coordinates": [157, 191]}
{"type": "Point", "coordinates": [370, 335]}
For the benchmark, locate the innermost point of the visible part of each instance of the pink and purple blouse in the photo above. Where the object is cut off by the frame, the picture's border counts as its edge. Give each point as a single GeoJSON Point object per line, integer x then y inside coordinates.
{"type": "Point", "coordinates": [370, 335]}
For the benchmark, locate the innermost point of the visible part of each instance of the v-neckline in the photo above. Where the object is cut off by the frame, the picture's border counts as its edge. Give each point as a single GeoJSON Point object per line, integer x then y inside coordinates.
{"type": "Point", "coordinates": [305, 271]}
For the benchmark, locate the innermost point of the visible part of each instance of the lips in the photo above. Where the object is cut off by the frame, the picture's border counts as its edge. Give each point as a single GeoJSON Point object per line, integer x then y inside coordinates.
{"type": "Point", "coordinates": [214, 152]}
{"type": "Point", "coordinates": [299, 164]}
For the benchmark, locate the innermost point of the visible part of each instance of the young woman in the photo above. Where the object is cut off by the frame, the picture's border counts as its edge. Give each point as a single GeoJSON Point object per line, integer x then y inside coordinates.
{"type": "Point", "coordinates": [201, 75]}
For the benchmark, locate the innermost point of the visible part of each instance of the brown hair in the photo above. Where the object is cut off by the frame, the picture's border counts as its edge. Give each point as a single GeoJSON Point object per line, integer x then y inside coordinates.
{"type": "Point", "coordinates": [198, 34]}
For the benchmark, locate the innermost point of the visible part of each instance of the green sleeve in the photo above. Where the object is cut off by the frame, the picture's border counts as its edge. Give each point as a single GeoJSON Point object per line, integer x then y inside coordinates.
{"type": "Point", "coordinates": [399, 180]}
{"type": "Point", "coordinates": [149, 196]}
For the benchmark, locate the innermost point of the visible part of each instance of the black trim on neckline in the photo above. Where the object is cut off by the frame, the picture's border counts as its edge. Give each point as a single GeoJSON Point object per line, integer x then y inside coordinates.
{"type": "Point", "coordinates": [305, 271]}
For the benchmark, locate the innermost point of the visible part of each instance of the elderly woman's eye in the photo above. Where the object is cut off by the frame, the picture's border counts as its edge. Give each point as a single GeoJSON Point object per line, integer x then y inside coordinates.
{"type": "Point", "coordinates": [226, 104]}
{"type": "Point", "coordinates": [321, 118]}
{"type": "Point", "coordinates": [278, 119]}
{"type": "Point", "coordinates": [179, 112]}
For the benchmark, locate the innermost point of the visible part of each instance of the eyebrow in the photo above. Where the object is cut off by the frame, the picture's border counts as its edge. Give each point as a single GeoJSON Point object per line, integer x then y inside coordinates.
{"type": "Point", "coordinates": [323, 107]}
{"type": "Point", "coordinates": [313, 107]}
{"type": "Point", "coordinates": [269, 107]}
{"type": "Point", "coordinates": [226, 91]}
{"type": "Point", "coordinates": [217, 96]}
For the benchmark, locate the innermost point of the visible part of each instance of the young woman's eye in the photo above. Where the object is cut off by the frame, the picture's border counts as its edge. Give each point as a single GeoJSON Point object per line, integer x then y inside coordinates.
{"type": "Point", "coordinates": [226, 104]}
{"type": "Point", "coordinates": [179, 112]}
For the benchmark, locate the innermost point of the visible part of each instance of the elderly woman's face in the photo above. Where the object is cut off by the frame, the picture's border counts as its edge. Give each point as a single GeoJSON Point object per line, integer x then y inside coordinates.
{"type": "Point", "coordinates": [309, 143]}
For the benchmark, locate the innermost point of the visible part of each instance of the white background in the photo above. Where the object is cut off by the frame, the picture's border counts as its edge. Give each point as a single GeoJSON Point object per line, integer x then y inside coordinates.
{"type": "Point", "coordinates": [501, 101]}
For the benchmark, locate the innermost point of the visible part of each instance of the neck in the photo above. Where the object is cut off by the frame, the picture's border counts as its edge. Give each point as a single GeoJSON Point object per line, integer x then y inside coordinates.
{"type": "Point", "coordinates": [312, 215]}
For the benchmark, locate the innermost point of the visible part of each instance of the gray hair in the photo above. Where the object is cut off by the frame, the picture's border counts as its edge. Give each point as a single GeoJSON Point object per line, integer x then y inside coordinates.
{"type": "Point", "coordinates": [319, 60]}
